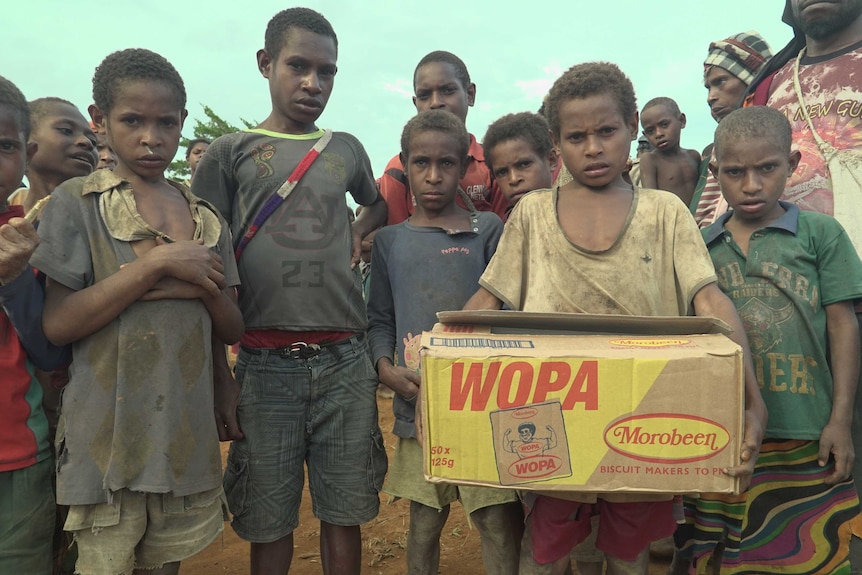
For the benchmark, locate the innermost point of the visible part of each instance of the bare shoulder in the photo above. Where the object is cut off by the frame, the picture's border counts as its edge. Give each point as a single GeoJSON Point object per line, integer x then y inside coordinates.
{"type": "Point", "coordinates": [648, 160]}
{"type": "Point", "coordinates": [694, 155]}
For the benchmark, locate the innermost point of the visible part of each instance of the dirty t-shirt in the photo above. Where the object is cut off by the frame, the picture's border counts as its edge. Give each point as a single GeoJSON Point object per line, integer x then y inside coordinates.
{"type": "Point", "coordinates": [655, 267]}
{"type": "Point", "coordinates": [795, 266]}
{"type": "Point", "coordinates": [138, 410]}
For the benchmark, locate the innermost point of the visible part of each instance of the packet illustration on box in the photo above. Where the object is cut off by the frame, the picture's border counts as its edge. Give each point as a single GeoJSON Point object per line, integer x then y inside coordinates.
{"type": "Point", "coordinates": [530, 443]}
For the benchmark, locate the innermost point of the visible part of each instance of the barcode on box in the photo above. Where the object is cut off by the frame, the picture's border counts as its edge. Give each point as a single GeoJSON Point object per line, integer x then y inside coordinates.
{"type": "Point", "coordinates": [481, 342]}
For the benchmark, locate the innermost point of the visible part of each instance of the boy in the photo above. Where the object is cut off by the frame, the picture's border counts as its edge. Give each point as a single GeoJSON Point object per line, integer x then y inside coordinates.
{"type": "Point", "coordinates": [520, 154]}
{"type": "Point", "coordinates": [194, 152]}
{"type": "Point", "coordinates": [137, 286]}
{"type": "Point", "coordinates": [308, 386]}
{"type": "Point", "coordinates": [440, 252]}
{"type": "Point", "coordinates": [522, 158]}
{"type": "Point", "coordinates": [793, 275]}
{"type": "Point", "coordinates": [66, 148]}
{"type": "Point", "coordinates": [107, 159]}
{"type": "Point", "coordinates": [26, 491]}
{"type": "Point", "coordinates": [441, 82]}
{"type": "Point", "coordinates": [668, 166]}
{"type": "Point", "coordinates": [585, 242]}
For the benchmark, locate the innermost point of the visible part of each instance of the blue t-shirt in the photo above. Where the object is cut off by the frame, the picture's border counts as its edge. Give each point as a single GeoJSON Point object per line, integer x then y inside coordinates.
{"type": "Point", "coordinates": [417, 272]}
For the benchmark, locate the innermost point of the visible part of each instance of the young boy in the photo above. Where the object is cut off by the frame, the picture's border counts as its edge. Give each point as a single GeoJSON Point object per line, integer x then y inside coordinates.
{"type": "Point", "coordinates": [194, 152]}
{"type": "Point", "coordinates": [793, 276]}
{"type": "Point", "coordinates": [140, 277]}
{"type": "Point", "coordinates": [107, 159]}
{"type": "Point", "coordinates": [439, 252]}
{"type": "Point", "coordinates": [26, 490]}
{"type": "Point", "coordinates": [668, 166]}
{"type": "Point", "coordinates": [522, 157]}
{"type": "Point", "coordinates": [520, 154]}
{"type": "Point", "coordinates": [441, 82]}
{"type": "Point", "coordinates": [66, 148]}
{"type": "Point", "coordinates": [308, 386]}
{"type": "Point", "coordinates": [598, 245]}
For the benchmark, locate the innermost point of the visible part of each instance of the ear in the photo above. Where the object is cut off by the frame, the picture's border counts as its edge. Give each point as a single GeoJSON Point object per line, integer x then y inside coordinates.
{"type": "Point", "coordinates": [403, 159]}
{"type": "Point", "coordinates": [681, 121]}
{"type": "Point", "coordinates": [464, 163]}
{"type": "Point", "coordinates": [633, 126]}
{"type": "Point", "coordinates": [553, 158]}
{"type": "Point", "coordinates": [98, 118]}
{"type": "Point", "coordinates": [793, 161]}
{"type": "Point", "coordinates": [264, 63]}
{"type": "Point", "coordinates": [183, 116]}
{"type": "Point", "coordinates": [32, 148]}
{"type": "Point", "coordinates": [471, 94]}
{"type": "Point", "coordinates": [713, 167]}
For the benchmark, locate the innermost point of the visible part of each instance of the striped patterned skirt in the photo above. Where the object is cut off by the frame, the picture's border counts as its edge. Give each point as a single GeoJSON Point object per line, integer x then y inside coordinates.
{"type": "Point", "coordinates": [789, 521]}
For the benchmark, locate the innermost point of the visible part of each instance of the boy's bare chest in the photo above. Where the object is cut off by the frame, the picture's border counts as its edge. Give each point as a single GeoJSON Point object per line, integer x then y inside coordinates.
{"type": "Point", "coordinates": [166, 213]}
{"type": "Point", "coordinates": [679, 169]}
{"type": "Point", "coordinates": [169, 215]}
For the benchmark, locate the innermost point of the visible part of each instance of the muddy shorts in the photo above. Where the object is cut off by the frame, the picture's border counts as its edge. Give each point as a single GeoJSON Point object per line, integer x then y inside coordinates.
{"type": "Point", "coordinates": [144, 530]}
{"type": "Point", "coordinates": [407, 481]}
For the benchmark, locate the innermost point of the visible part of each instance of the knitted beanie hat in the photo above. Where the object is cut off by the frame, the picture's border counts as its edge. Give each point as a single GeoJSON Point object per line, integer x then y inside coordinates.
{"type": "Point", "coordinates": [743, 55]}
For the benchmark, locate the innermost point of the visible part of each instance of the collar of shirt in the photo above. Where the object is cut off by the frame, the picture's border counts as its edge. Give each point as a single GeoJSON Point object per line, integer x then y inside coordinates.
{"type": "Point", "coordinates": [120, 212]}
{"type": "Point", "coordinates": [788, 222]}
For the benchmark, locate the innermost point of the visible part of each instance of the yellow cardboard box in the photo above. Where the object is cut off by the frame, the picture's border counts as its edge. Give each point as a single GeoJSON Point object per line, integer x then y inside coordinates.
{"type": "Point", "coordinates": [575, 402]}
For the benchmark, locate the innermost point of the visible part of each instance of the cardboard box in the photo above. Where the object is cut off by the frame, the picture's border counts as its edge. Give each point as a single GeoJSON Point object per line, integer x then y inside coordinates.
{"type": "Point", "coordinates": [574, 402]}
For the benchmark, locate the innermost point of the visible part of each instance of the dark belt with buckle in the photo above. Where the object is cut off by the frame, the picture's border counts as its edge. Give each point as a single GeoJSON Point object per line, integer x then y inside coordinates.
{"type": "Point", "coordinates": [300, 349]}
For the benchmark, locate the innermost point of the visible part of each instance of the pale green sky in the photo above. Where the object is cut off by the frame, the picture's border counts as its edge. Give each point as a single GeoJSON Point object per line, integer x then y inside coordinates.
{"type": "Point", "coordinates": [513, 49]}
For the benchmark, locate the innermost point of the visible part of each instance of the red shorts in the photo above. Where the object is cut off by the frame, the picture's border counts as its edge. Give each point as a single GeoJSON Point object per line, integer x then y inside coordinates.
{"type": "Point", "coordinates": [625, 529]}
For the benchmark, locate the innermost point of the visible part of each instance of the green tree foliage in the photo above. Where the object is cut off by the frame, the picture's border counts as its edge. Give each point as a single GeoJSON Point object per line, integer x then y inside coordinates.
{"type": "Point", "coordinates": [213, 127]}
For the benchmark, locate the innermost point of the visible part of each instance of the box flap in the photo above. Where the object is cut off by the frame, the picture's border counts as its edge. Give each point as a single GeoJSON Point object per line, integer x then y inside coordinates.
{"type": "Point", "coordinates": [503, 322]}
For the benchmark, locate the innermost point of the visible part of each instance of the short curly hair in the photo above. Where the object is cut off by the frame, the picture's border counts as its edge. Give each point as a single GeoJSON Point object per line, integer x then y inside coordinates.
{"type": "Point", "coordinates": [41, 107]}
{"type": "Point", "coordinates": [130, 65]}
{"type": "Point", "coordinates": [278, 28]}
{"type": "Point", "coordinates": [668, 103]}
{"type": "Point", "coordinates": [436, 121]}
{"type": "Point", "coordinates": [447, 58]}
{"type": "Point", "coordinates": [532, 128]}
{"type": "Point", "coordinates": [12, 99]}
{"type": "Point", "coordinates": [589, 79]}
{"type": "Point", "coordinates": [760, 122]}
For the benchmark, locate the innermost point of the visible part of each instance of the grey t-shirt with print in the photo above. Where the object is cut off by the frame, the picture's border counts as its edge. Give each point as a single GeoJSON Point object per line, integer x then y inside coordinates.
{"type": "Point", "coordinates": [296, 272]}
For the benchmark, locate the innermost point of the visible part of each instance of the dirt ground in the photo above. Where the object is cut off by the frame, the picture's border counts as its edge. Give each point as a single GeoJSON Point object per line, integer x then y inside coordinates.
{"type": "Point", "coordinates": [383, 539]}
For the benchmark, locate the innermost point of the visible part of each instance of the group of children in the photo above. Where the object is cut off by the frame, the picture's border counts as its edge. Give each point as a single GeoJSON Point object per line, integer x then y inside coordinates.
{"type": "Point", "coordinates": [141, 283]}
